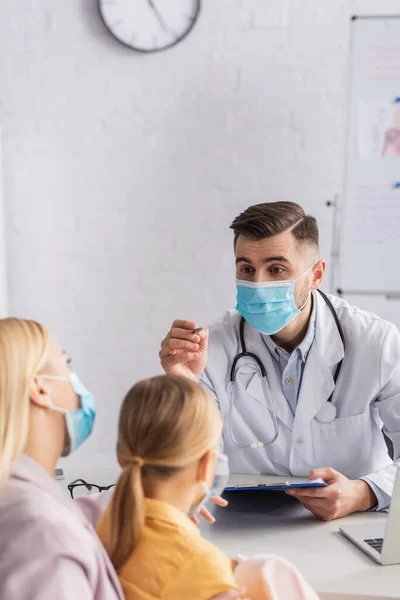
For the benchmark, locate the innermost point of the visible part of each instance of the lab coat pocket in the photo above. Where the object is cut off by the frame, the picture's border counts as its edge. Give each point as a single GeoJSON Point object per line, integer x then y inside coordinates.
{"type": "Point", "coordinates": [344, 444]}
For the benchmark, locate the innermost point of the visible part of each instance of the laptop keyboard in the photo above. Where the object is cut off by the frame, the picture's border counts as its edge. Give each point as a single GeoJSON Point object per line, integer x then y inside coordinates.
{"type": "Point", "coordinates": [376, 544]}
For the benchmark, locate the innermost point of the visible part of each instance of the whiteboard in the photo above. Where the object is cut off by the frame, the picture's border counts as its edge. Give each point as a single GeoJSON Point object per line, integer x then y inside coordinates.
{"type": "Point", "coordinates": [3, 255]}
{"type": "Point", "coordinates": [369, 250]}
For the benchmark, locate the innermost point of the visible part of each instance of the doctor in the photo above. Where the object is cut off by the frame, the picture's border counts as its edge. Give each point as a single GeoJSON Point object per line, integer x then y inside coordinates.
{"type": "Point", "coordinates": [316, 379]}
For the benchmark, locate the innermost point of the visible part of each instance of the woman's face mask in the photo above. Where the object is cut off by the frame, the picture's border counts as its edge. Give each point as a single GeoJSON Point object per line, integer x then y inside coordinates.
{"type": "Point", "coordinates": [79, 422]}
{"type": "Point", "coordinates": [221, 478]}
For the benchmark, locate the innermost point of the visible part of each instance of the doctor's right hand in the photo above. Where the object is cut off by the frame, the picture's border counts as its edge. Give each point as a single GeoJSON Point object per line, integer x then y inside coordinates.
{"type": "Point", "coordinates": [183, 352]}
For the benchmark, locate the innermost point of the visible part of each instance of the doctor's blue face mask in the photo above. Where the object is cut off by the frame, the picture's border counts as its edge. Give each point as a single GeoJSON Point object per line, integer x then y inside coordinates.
{"type": "Point", "coordinates": [79, 422]}
{"type": "Point", "coordinates": [268, 305]}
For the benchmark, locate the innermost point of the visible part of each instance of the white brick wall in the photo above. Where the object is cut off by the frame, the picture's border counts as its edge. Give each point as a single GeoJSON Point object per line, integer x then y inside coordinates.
{"type": "Point", "coordinates": [122, 172]}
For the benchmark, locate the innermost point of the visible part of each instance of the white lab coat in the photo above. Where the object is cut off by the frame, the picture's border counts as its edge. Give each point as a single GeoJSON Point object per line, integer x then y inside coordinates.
{"type": "Point", "coordinates": [367, 397]}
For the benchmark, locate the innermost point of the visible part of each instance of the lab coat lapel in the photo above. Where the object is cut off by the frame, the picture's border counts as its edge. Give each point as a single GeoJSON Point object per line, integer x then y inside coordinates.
{"type": "Point", "coordinates": [318, 384]}
{"type": "Point", "coordinates": [256, 345]}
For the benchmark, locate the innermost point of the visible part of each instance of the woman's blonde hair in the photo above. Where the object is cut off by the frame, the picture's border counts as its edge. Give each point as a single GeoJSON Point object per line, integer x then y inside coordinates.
{"type": "Point", "coordinates": [166, 423]}
{"type": "Point", "coordinates": [23, 346]}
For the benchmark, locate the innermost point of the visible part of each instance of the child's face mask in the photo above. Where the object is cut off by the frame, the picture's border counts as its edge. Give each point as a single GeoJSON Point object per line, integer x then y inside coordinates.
{"type": "Point", "coordinates": [219, 484]}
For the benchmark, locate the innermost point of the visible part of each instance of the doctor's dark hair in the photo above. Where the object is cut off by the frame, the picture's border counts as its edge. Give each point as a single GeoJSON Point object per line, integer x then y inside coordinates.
{"type": "Point", "coordinates": [166, 423]}
{"type": "Point", "coordinates": [265, 220]}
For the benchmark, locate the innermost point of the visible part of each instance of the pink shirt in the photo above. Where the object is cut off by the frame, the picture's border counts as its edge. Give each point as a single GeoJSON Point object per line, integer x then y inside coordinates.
{"type": "Point", "coordinates": [48, 548]}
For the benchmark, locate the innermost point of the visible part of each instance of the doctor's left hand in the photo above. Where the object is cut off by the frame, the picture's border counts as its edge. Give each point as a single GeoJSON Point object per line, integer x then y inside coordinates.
{"type": "Point", "coordinates": [339, 498]}
{"type": "Point", "coordinates": [206, 513]}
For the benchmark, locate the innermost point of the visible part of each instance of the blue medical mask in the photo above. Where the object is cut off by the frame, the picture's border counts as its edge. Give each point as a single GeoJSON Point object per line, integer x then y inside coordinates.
{"type": "Point", "coordinates": [268, 305]}
{"type": "Point", "coordinates": [221, 478]}
{"type": "Point", "coordinates": [79, 422]}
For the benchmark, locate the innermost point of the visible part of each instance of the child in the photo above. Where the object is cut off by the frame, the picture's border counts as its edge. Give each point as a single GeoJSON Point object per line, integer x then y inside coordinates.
{"type": "Point", "coordinates": [169, 433]}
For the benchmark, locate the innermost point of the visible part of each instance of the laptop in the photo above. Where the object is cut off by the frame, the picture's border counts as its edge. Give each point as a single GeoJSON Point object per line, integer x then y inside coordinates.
{"type": "Point", "coordinates": [380, 540]}
{"type": "Point", "coordinates": [251, 482]}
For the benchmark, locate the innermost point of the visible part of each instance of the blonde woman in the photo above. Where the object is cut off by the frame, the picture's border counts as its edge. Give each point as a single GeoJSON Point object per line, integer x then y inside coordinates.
{"type": "Point", "coordinates": [48, 549]}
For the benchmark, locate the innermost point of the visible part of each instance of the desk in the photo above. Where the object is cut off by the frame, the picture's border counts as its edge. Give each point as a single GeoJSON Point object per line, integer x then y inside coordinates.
{"type": "Point", "coordinates": [272, 522]}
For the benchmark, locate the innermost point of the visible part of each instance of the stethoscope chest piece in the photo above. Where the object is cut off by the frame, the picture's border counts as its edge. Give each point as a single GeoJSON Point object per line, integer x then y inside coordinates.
{"type": "Point", "coordinates": [327, 413]}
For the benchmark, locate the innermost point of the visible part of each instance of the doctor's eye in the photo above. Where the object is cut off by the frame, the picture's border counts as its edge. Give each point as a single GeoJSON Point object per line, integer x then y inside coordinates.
{"type": "Point", "coordinates": [69, 363]}
{"type": "Point", "coordinates": [276, 270]}
{"type": "Point", "coordinates": [246, 269]}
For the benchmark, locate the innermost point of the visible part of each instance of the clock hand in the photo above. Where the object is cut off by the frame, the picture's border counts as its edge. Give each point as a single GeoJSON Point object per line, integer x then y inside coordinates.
{"type": "Point", "coordinates": [158, 15]}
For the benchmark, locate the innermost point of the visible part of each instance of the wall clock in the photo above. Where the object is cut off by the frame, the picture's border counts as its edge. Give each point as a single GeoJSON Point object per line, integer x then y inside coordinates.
{"type": "Point", "coordinates": [150, 25]}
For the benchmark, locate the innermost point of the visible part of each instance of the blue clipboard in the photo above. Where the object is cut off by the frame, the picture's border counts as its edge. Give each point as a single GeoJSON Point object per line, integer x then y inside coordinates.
{"type": "Point", "coordinates": [284, 485]}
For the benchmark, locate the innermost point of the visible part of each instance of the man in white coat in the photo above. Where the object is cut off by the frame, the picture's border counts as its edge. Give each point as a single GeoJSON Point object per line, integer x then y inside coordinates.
{"type": "Point", "coordinates": [332, 383]}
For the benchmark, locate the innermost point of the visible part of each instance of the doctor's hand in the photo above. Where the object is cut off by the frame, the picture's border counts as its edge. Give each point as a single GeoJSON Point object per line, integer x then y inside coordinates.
{"type": "Point", "coordinates": [183, 352]}
{"type": "Point", "coordinates": [339, 498]}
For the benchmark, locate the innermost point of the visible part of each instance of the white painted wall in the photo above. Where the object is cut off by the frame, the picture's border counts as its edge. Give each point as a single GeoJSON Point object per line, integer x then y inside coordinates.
{"type": "Point", "coordinates": [122, 172]}
{"type": "Point", "coordinates": [3, 245]}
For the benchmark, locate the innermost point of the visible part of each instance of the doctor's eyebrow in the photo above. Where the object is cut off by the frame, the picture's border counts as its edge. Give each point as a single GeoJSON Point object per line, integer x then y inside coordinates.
{"type": "Point", "coordinates": [267, 259]}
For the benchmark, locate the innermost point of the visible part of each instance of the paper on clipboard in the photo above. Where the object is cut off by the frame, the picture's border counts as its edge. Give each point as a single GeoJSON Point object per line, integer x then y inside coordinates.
{"type": "Point", "coordinates": [259, 484]}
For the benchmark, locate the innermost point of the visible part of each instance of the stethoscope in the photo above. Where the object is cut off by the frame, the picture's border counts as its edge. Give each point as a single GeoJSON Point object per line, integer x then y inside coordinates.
{"type": "Point", "coordinates": [328, 412]}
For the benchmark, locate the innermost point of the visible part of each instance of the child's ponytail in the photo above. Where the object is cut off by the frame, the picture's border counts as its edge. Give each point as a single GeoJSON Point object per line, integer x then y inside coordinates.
{"type": "Point", "coordinates": [127, 513]}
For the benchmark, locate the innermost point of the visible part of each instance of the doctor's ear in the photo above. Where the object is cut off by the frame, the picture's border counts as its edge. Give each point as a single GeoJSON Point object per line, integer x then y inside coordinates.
{"type": "Point", "coordinates": [318, 274]}
{"type": "Point", "coordinates": [39, 393]}
{"type": "Point", "coordinates": [206, 469]}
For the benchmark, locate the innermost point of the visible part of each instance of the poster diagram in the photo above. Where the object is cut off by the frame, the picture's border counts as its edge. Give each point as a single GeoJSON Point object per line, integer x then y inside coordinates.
{"type": "Point", "coordinates": [375, 218]}
{"type": "Point", "coordinates": [379, 130]}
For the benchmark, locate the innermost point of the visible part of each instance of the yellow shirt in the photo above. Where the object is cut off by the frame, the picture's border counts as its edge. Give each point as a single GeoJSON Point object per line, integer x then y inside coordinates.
{"type": "Point", "coordinates": [172, 561]}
